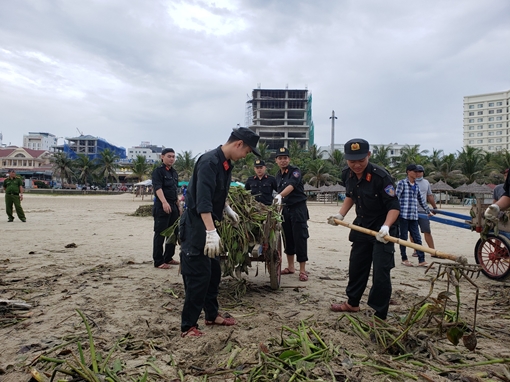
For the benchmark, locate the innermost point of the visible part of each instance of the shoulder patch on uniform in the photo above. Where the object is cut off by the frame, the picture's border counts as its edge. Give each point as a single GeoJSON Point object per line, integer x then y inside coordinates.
{"type": "Point", "coordinates": [296, 174]}
{"type": "Point", "coordinates": [390, 190]}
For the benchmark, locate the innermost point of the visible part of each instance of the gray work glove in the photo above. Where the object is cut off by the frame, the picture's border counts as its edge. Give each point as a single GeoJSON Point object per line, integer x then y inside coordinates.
{"type": "Point", "coordinates": [331, 219]}
{"type": "Point", "coordinates": [384, 231]}
{"type": "Point", "coordinates": [232, 215]}
{"type": "Point", "coordinates": [212, 244]}
{"type": "Point", "coordinates": [492, 212]}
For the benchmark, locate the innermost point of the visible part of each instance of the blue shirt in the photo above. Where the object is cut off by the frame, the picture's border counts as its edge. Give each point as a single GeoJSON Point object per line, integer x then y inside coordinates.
{"type": "Point", "coordinates": [409, 196]}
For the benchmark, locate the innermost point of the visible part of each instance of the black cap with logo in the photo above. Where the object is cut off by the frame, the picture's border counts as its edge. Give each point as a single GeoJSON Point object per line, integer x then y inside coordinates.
{"type": "Point", "coordinates": [282, 152]}
{"type": "Point", "coordinates": [259, 163]}
{"type": "Point", "coordinates": [248, 137]}
{"type": "Point", "coordinates": [356, 149]}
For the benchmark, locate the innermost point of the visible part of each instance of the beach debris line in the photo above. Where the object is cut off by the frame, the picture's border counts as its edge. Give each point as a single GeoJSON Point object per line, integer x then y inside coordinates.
{"type": "Point", "coordinates": [143, 210]}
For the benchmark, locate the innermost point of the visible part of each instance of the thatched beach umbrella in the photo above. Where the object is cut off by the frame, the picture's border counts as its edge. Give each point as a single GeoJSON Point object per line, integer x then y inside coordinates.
{"type": "Point", "coordinates": [441, 186]}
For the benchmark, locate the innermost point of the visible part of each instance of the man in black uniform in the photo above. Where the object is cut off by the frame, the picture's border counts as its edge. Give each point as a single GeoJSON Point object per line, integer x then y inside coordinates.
{"type": "Point", "coordinates": [372, 190]}
{"type": "Point", "coordinates": [261, 185]}
{"type": "Point", "coordinates": [295, 213]}
{"type": "Point", "coordinates": [165, 210]}
{"type": "Point", "coordinates": [200, 243]}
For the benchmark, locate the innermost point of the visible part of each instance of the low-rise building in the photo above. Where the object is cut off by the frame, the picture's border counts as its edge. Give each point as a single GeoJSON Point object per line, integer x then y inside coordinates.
{"type": "Point", "coordinates": [40, 141]}
{"type": "Point", "coordinates": [28, 163]}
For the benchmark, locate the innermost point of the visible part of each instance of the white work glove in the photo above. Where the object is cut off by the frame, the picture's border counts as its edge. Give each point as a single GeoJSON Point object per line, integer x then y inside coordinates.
{"type": "Point", "coordinates": [232, 215]}
{"type": "Point", "coordinates": [492, 212]}
{"type": "Point", "coordinates": [212, 244]}
{"type": "Point", "coordinates": [277, 200]}
{"type": "Point", "coordinates": [331, 219]}
{"type": "Point", "coordinates": [384, 231]}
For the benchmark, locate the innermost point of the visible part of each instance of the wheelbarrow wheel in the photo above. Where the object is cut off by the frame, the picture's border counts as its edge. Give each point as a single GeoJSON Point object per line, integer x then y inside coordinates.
{"type": "Point", "coordinates": [493, 255]}
{"type": "Point", "coordinates": [275, 264]}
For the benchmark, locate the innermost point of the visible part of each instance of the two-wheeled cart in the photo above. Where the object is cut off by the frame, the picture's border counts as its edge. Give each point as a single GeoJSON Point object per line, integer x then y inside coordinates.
{"type": "Point", "coordinates": [492, 250]}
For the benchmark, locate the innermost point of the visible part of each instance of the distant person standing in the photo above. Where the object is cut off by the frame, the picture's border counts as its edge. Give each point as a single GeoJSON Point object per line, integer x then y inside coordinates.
{"type": "Point", "coordinates": [291, 195]}
{"type": "Point", "coordinates": [261, 185]}
{"type": "Point", "coordinates": [426, 192]}
{"type": "Point", "coordinates": [13, 187]}
{"type": "Point", "coordinates": [499, 190]}
{"type": "Point", "coordinates": [165, 209]}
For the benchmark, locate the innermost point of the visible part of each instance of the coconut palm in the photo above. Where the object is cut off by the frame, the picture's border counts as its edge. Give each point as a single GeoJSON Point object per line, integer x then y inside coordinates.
{"type": "Point", "coordinates": [412, 154]}
{"type": "Point", "coordinates": [317, 174]}
{"type": "Point", "coordinates": [381, 156]}
{"type": "Point", "coordinates": [85, 168]}
{"type": "Point", "coordinates": [62, 167]}
{"type": "Point", "coordinates": [141, 168]}
{"type": "Point", "coordinates": [107, 165]}
{"type": "Point", "coordinates": [471, 162]}
{"type": "Point", "coordinates": [184, 165]}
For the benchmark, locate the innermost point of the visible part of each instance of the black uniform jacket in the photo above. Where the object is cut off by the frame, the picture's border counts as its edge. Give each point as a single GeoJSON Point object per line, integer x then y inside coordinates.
{"type": "Point", "coordinates": [291, 176]}
{"type": "Point", "coordinates": [374, 195]}
{"type": "Point", "coordinates": [166, 179]}
{"type": "Point", "coordinates": [207, 192]}
{"type": "Point", "coordinates": [262, 189]}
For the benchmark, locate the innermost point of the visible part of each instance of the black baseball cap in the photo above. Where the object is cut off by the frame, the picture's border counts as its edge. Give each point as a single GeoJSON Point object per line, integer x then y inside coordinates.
{"type": "Point", "coordinates": [259, 163]}
{"type": "Point", "coordinates": [356, 149]}
{"type": "Point", "coordinates": [248, 137]}
{"type": "Point", "coordinates": [282, 152]}
{"type": "Point", "coordinates": [419, 168]}
{"type": "Point", "coordinates": [411, 167]}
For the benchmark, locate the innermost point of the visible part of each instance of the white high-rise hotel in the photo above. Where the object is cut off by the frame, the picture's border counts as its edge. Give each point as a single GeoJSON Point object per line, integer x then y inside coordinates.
{"type": "Point", "coordinates": [486, 119]}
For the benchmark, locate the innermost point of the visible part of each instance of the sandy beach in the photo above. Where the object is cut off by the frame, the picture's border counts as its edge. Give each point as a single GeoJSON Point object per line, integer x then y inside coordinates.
{"type": "Point", "coordinates": [89, 253]}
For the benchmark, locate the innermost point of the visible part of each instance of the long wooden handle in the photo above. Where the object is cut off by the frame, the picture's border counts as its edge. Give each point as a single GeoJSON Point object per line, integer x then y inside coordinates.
{"type": "Point", "coordinates": [442, 255]}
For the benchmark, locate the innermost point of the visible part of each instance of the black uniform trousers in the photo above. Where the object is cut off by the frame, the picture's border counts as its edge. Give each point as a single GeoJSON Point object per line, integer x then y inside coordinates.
{"type": "Point", "coordinates": [162, 221]}
{"type": "Point", "coordinates": [363, 255]}
{"type": "Point", "coordinates": [201, 276]}
{"type": "Point", "coordinates": [295, 230]}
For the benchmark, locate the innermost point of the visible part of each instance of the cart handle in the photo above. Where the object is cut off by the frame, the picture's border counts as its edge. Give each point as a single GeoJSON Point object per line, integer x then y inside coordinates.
{"type": "Point", "coordinates": [459, 259]}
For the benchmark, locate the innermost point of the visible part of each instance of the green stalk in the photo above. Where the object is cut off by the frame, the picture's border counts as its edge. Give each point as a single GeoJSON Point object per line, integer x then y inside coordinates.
{"type": "Point", "coordinates": [91, 342]}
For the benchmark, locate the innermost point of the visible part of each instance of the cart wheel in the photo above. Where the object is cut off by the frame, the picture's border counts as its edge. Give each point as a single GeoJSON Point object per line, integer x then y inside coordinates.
{"type": "Point", "coordinates": [275, 265]}
{"type": "Point", "coordinates": [493, 255]}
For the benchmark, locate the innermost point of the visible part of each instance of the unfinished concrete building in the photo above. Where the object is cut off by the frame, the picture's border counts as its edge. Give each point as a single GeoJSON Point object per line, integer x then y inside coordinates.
{"type": "Point", "coordinates": [280, 116]}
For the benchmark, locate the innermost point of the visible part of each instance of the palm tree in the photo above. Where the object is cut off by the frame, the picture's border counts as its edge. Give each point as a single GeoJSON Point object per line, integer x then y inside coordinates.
{"type": "Point", "coordinates": [184, 165]}
{"type": "Point", "coordinates": [140, 168]}
{"type": "Point", "coordinates": [412, 154]}
{"type": "Point", "coordinates": [107, 165]}
{"type": "Point", "coordinates": [85, 168]}
{"type": "Point", "coordinates": [314, 152]}
{"type": "Point", "coordinates": [446, 170]}
{"type": "Point", "coordinates": [471, 162]}
{"type": "Point", "coordinates": [62, 167]}
{"type": "Point", "coordinates": [317, 173]}
{"type": "Point", "coordinates": [381, 156]}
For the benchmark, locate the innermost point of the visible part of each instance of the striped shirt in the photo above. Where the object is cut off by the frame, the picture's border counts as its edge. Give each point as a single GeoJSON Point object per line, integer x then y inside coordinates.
{"type": "Point", "coordinates": [409, 196]}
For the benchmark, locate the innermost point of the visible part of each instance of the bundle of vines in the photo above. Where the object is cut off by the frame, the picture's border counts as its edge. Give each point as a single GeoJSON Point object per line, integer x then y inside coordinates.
{"type": "Point", "coordinates": [145, 210]}
{"type": "Point", "coordinates": [238, 241]}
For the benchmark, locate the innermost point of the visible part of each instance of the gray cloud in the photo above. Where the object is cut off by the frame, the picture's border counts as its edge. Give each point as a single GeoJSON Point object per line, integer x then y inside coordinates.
{"type": "Point", "coordinates": [177, 73]}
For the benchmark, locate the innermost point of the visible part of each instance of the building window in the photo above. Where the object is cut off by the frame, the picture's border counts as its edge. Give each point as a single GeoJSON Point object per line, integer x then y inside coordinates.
{"type": "Point", "coordinates": [479, 141]}
{"type": "Point", "coordinates": [491, 118]}
{"type": "Point", "coordinates": [498, 148]}
{"type": "Point", "coordinates": [471, 134]}
{"type": "Point", "coordinates": [491, 111]}
{"type": "Point", "coordinates": [471, 113]}
{"type": "Point", "coordinates": [499, 140]}
{"type": "Point", "coordinates": [491, 126]}
{"type": "Point", "coordinates": [491, 147]}
{"type": "Point", "coordinates": [471, 120]}
{"type": "Point", "coordinates": [499, 132]}
{"type": "Point", "coordinates": [491, 132]}
{"type": "Point", "coordinates": [471, 106]}
{"type": "Point", "coordinates": [499, 103]}
{"type": "Point", "coordinates": [491, 104]}
{"type": "Point", "coordinates": [479, 112]}
{"type": "Point", "coordinates": [480, 127]}
{"type": "Point", "coordinates": [480, 105]}
{"type": "Point", "coordinates": [491, 140]}
{"type": "Point", "coordinates": [499, 125]}
{"type": "Point", "coordinates": [499, 111]}
{"type": "Point", "coordinates": [499, 118]}
{"type": "Point", "coordinates": [479, 120]}
{"type": "Point", "coordinates": [479, 134]}
{"type": "Point", "coordinates": [471, 127]}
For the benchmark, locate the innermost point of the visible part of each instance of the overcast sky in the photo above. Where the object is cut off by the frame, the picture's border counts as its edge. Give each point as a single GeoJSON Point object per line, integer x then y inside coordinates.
{"type": "Point", "coordinates": [179, 73]}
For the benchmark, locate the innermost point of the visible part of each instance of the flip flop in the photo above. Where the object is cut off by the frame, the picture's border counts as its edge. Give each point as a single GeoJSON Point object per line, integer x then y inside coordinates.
{"type": "Point", "coordinates": [192, 332]}
{"type": "Point", "coordinates": [164, 266]}
{"type": "Point", "coordinates": [287, 271]}
{"type": "Point", "coordinates": [407, 263]}
{"type": "Point", "coordinates": [173, 262]}
{"type": "Point", "coordinates": [303, 276]}
{"type": "Point", "coordinates": [344, 307]}
{"type": "Point", "coordinates": [227, 321]}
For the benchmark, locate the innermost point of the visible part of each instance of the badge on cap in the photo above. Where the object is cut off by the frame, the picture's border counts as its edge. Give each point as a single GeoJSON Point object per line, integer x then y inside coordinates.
{"type": "Point", "coordinates": [282, 149]}
{"type": "Point", "coordinates": [390, 190]}
{"type": "Point", "coordinates": [355, 146]}
{"type": "Point", "coordinates": [257, 162]}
